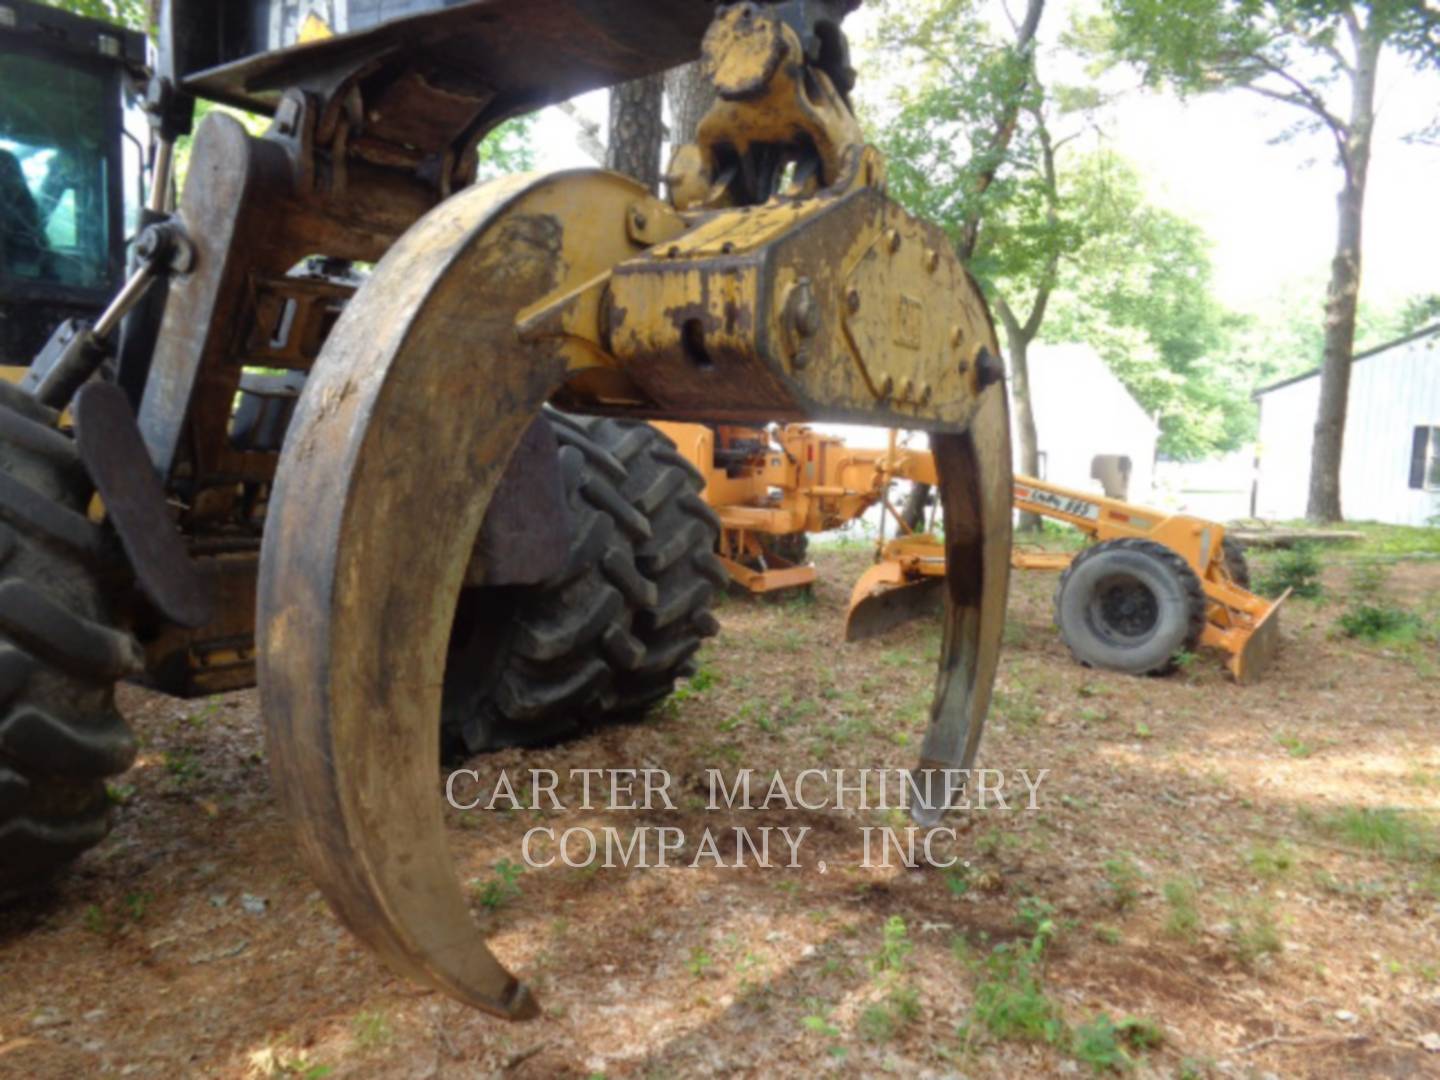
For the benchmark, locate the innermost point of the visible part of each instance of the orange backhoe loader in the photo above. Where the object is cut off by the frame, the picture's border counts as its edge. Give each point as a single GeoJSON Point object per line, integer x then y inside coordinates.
{"type": "Point", "coordinates": [1150, 587]}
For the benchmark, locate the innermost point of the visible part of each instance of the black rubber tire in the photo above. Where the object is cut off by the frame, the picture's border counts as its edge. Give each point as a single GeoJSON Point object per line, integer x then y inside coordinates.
{"type": "Point", "coordinates": [1130, 605]}
{"type": "Point", "coordinates": [534, 664]}
{"type": "Point", "coordinates": [793, 548]}
{"type": "Point", "coordinates": [1236, 565]}
{"type": "Point", "coordinates": [679, 558]}
{"type": "Point", "coordinates": [61, 735]}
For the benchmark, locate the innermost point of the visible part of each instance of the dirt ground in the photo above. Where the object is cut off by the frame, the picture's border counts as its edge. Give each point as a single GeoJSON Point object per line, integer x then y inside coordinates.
{"type": "Point", "coordinates": [1200, 872]}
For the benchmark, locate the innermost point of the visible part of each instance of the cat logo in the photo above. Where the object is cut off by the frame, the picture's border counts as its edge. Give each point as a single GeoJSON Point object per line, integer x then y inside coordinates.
{"type": "Point", "coordinates": [314, 28]}
{"type": "Point", "coordinates": [908, 315]}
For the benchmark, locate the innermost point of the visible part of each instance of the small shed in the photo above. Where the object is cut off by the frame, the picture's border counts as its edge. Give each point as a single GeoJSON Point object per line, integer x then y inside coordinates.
{"type": "Point", "coordinates": [1085, 417]}
{"type": "Point", "coordinates": [1390, 468]}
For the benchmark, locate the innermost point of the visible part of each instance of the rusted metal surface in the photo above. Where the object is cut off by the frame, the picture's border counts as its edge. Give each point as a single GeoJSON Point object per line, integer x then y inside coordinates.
{"type": "Point", "coordinates": [114, 455]}
{"type": "Point", "coordinates": [383, 486]}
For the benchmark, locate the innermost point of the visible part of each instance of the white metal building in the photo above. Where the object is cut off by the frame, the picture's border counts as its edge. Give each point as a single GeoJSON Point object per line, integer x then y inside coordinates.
{"type": "Point", "coordinates": [1083, 412]}
{"type": "Point", "coordinates": [1390, 470]}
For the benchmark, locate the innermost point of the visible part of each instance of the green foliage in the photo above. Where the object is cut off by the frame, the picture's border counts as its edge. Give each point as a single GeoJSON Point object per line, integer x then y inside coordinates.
{"type": "Point", "coordinates": [1097, 1044]}
{"type": "Point", "coordinates": [498, 890]}
{"type": "Point", "coordinates": [1296, 569]}
{"type": "Point", "coordinates": [1010, 1002]}
{"type": "Point", "coordinates": [1122, 880]}
{"type": "Point", "coordinates": [1138, 290]}
{"type": "Point", "coordinates": [508, 149]}
{"type": "Point", "coordinates": [1072, 243]}
{"type": "Point", "coordinates": [1184, 919]}
{"type": "Point", "coordinates": [1381, 624]}
{"type": "Point", "coordinates": [1383, 831]}
{"type": "Point", "coordinates": [131, 13]}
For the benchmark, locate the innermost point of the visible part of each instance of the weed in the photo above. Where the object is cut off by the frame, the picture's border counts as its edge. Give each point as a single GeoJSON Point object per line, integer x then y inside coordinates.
{"type": "Point", "coordinates": [1271, 861]}
{"type": "Point", "coordinates": [1296, 569]}
{"type": "Point", "coordinates": [880, 1022]}
{"type": "Point", "coordinates": [181, 764]}
{"type": "Point", "coordinates": [120, 794]}
{"type": "Point", "coordinates": [700, 962]}
{"type": "Point", "coordinates": [372, 1030]}
{"type": "Point", "coordinates": [1018, 706]}
{"type": "Point", "coordinates": [500, 889]}
{"type": "Point", "coordinates": [1185, 659]}
{"type": "Point", "coordinates": [895, 947]}
{"type": "Point", "coordinates": [1010, 1003]}
{"type": "Point", "coordinates": [1184, 918]}
{"type": "Point", "coordinates": [1383, 831]}
{"type": "Point", "coordinates": [1107, 935]}
{"type": "Point", "coordinates": [818, 1023]}
{"type": "Point", "coordinates": [957, 879]}
{"type": "Point", "coordinates": [1381, 624]}
{"type": "Point", "coordinates": [1254, 934]}
{"type": "Point", "coordinates": [1036, 917]}
{"type": "Point", "coordinates": [1122, 878]}
{"type": "Point", "coordinates": [1295, 746]}
{"type": "Point", "coordinates": [1097, 1044]}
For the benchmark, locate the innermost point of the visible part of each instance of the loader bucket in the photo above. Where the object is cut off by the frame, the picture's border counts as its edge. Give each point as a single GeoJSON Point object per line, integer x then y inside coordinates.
{"type": "Point", "coordinates": [884, 598]}
{"type": "Point", "coordinates": [1251, 662]}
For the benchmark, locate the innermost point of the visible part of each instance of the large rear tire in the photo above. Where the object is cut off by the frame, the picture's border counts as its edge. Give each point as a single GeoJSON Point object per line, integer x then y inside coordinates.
{"type": "Point", "coordinates": [1236, 565]}
{"type": "Point", "coordinates": [1130, 605]}
{"type": "Point", "coordinates": [61, 736]}
{"type": "Point", "coordinates": [616, 627]}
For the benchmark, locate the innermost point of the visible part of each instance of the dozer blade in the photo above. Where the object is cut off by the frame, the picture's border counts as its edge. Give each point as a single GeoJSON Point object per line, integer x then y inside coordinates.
{"type": "Point", "coordinates": [408, 421]}
{"type": "Point", "coordinates": [1255, 656]}
{"type": "Point", "coordinates": [884, 598]}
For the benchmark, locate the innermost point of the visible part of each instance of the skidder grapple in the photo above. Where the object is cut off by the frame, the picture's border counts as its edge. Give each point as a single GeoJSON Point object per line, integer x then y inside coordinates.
{"type": "Point", "coordinates": [387, 494]}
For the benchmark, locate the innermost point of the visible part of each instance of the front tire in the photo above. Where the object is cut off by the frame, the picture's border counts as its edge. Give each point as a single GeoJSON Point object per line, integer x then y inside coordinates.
{"type": "Point", "coordinates": [61, 735]}
{"type": "Point", "coordinates": [1130, 605]}
{"type": "Point", "coordinates": [607, 636]}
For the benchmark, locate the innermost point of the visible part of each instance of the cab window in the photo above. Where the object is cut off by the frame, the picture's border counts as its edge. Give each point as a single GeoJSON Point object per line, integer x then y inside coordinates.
{"type": "Point", "coordinates": [54, 173]}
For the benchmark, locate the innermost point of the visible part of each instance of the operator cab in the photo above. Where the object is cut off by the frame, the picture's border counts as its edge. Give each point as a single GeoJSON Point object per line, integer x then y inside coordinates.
{"type": "Point", "coordinates": [62, 177]}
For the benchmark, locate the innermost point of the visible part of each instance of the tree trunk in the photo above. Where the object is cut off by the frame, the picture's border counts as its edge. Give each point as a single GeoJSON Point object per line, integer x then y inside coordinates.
{"type": "Point", "coordinates": [1019, 345]}
{"type": "Point", "coordinates": [690, 95]}
{"type": "Point", "coordinates": [636, 130]}
{"type": "Point", "coordinates": [1343, 295]}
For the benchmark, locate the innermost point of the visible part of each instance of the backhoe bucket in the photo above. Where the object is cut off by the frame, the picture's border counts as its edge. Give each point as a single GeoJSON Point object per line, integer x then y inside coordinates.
{"type": "Point", "coordinates": [884, 598]}
{"type": "Point", "coordinates": [1255, 656]}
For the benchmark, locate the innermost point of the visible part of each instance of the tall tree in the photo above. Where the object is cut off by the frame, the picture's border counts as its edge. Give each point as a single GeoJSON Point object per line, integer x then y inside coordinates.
{"type": "Point", "coordinates": [636, 129]}
{"type": "Point", "coordinates": [968, 147]}
{"type": "Point", "coordinates": [689, 94]}
{"type": "Point", "coordinates": [1321, 57]}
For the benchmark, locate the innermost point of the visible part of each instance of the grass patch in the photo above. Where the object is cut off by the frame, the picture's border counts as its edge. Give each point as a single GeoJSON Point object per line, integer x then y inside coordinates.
{"type": "Point", "coordinates": [1381, 624]}
{"type": "Point", "coordinates": [1383, 831]}
{"type": "Point", "coordinates": [1183, 921]}
{"type": "Point", "coordinates": [1122, 882]}
{"type": "Point", "coordinates": [1254, 934]}
{"type": "Point", "coordinates": [1102, 1043]}
{"type": "Point", "coordinates": [1295, 746]}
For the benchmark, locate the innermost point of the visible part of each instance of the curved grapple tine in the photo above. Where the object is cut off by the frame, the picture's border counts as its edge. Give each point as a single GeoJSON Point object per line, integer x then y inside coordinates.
{"type": "Point", "coordinates": [407, 423]}
{"type": "Point", "coordinates": [975, 494]}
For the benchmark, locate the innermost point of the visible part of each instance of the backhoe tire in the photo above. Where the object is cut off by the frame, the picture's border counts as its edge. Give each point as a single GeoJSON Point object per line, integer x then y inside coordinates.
{"type": "Point", "coordinates": [1236, 565]}
{"type": "Point", "coordinates": [61, 735]}
{"type": "Point", "coordinates": [536, 663]}
{"type": "Point", "coordinates": [1130, 605]}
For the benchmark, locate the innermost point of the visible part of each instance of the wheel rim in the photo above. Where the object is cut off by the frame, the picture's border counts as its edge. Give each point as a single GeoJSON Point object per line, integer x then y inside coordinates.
{"type": "Point", "coordinates": [1125, 607]}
